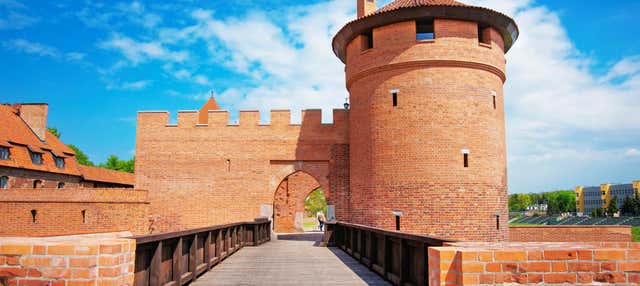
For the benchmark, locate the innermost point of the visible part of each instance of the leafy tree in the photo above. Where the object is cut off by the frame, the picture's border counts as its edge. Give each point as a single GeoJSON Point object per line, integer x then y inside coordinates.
{"type": "Point", "coordinates": [81, 157]}
{"type": "Point", "coordinates": [315, 203]}
{"type": "Point", "coordinates": [114, 163]}
{"type": "Point", "coordinates": [519, 202]}
{"type": "Point", "coordinates": [613, 206]}
{"type": "Point", "coordinates": [599, 212]}
{"type": "Point", "coordinates": [627, 206]}
{"type": "Point", "coordinates": [54, 131]}
{"type": "Point", "coordinates": [560, 202]}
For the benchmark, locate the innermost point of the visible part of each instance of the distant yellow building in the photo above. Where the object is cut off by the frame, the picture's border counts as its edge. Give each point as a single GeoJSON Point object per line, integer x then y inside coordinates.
{"type": "Point", "coordinates": [591, 198]}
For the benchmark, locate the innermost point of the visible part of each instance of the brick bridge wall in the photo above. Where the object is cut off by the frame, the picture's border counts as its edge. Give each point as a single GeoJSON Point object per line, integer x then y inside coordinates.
{"type": "Point", "coordinates": [59, 211]}
{"type": "Point", "coordinates": [201, 175]}
{"type": "Point", "coordinates": [102, 259]}
{"type": "Point", "coordinates": [547, 263]}
{"type": "Point", "coordinates": [570, 233]}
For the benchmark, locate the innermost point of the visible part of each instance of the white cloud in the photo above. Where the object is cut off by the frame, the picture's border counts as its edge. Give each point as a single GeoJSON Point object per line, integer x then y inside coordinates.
{"type": "Point", "coordinates": [134, 85]}
{"type": "Point", "coordinates": [633, 152]}
{"type": "Point", "coordinates": [42, 50]}
{"type": "Point", "coordinates": [75, 56]}
{"type": "Point", "coordinates": [28, 47]}
{"type": "Point", "coordinates": [138, 52]}
{"type": "Point", "coordinates": [14, 16]}
{"type": "Point", "coordinates": [98, 15]}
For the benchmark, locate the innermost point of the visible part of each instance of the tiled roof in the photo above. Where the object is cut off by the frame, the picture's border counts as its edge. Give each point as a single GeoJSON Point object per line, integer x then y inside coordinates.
{"type": "Point", "coordinates": [107, 176]}
{"type": "Point", "coordinates": [398, 4]}
{"type": "Point", "coordinates": [16, 134]}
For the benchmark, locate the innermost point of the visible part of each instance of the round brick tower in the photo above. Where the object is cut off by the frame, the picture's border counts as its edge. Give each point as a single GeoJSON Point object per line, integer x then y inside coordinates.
{"type": "Point", "coordinates": [427, 135]}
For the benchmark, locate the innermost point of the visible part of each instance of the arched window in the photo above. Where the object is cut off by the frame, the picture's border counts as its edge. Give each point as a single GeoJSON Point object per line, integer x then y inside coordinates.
{"type": "Point", "coordinates": [61, 185]}
{"type": "Point", "coordinates": [4, 182]}
{"type": "Point", "coordinates": [37, 184]}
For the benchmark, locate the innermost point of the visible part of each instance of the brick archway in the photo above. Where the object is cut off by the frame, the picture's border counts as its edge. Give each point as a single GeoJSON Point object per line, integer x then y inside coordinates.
{"type": "Point", "coordinates": [289, 199]}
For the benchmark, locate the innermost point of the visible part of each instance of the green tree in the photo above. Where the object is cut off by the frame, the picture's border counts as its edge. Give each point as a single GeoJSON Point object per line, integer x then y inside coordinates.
{"type": "Point", "coordinates": [54, 131]}
{"type": "Point", "coordinates": [315, 203]}
{"type": "Point", "coordinates": [114, 163]}
{"type": "Point", "coordinates": [599, 212]}
{"type": "Point", "coordinates": [81, 157]}
{"type": "Point", "coordinates": [612, 208]}
{"type": "Point", "coordinates": [627, 207]}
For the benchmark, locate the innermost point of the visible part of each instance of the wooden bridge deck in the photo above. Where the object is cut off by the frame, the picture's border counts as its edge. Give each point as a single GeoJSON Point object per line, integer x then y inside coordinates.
{"type": "Point", "coordinates": [291, 260]}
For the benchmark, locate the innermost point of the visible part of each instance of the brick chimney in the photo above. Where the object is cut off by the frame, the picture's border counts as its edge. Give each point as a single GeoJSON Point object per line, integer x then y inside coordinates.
{"type": "Point", "coordinates": [35, 115]}
{"type": "Point", "coordinates": [366, 7]}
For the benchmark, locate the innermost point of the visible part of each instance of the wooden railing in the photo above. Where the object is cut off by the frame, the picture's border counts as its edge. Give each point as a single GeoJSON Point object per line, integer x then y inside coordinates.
{"type": "Point", "coordinates": [398, 257]}
{"type": "Point", "coordinates": [177, 258]}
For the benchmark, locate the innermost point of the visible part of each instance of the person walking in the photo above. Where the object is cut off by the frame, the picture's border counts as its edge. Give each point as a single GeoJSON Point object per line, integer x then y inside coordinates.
{"type": "Point", "coordinates": [321, 220]}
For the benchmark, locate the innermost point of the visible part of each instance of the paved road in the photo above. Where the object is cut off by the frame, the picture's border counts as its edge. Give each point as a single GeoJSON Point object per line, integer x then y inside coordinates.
{"type": "Point", "coordinates": [290, 260]}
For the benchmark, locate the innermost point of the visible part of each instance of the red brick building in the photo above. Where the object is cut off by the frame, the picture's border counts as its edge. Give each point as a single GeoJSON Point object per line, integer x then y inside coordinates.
{"type": "Point", "coordinates": [32, 157]}
{"type": "Point", "coordinates": [425, 135]}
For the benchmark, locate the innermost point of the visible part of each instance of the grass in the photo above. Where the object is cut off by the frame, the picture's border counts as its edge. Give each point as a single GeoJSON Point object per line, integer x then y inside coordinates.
{"type": "Point", "coordinates": [635, 232]}
{"type": "Point", "coordinates": [310, 224]}
{"type": "Point", "coordinates": [522, 224]}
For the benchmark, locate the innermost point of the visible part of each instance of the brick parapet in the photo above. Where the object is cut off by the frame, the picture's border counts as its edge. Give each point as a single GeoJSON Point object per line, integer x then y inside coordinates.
{"type": "Point", "coordinates": [545, 263]}
{"type": "Point", "coordinates": [47, 212]}
{"type": "Point", "coordinates": [103, 259]}
{"type": "Point", "coordinates": [570, 233]}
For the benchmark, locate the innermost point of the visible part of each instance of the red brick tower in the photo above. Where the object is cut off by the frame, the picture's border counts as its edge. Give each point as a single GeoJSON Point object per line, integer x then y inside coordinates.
{"type": "Point", "coordinates": [427, 131]}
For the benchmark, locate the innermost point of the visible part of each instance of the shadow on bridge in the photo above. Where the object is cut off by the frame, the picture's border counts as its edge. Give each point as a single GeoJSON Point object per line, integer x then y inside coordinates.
{"type": "Point", "coordinates": [291, 259]}
{"type": "Point", "coordinates": [315, 236]}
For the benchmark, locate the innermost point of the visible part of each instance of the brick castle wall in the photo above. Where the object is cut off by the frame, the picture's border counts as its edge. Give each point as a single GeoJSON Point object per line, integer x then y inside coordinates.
{"type": "Point", "coordinates": [201, 175]}
{"type": "Point", "coordinates": [409, 158]}
{"type": "Point", "coordinates": [535, 264]}
{"type": "Point", "coordinates": [104, 259]}
{"type": "Point", "coordinates": [72, 211]}
{"type": "Point", "coordinates": [570, 233]}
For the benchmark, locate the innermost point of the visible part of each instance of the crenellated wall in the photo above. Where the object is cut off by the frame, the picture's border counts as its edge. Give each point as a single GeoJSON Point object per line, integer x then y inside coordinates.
{"type": "Point", "coordinates": [214, 173]}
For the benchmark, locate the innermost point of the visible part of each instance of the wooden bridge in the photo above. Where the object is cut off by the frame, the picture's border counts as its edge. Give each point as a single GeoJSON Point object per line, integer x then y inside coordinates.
{"type": "Point", "coordinates": [210, 256]}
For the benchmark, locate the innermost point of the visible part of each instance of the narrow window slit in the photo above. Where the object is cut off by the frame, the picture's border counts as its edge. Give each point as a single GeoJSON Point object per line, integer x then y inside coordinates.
{"type": "Point", "coordinates": [84, 216]}
{"type": "Point", "coordinates": [395, 99]}
{"type": "Point", "coordinates": [494, 102]}
{"type": "Point", "coordinates": [466, 160]}
{"type": "Point", "coordinates": [34, 213]}
{"type": "Point", "coordinates": [228, 165]}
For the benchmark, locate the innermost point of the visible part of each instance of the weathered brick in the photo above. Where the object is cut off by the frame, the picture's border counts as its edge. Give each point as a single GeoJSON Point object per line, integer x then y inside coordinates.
{"type": "Point", "coordinates": [560, 278]}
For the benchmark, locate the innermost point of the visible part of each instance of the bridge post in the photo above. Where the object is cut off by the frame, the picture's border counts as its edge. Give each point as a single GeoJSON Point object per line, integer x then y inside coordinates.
{"type": "Point", "coordinates": [177, 266]}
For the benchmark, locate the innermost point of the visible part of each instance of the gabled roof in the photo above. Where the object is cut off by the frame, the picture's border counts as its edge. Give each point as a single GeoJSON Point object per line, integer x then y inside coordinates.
{"type": "Point", "coordinates": [16, 134]}
{"type": "Point", "coordinates": [96, 174]}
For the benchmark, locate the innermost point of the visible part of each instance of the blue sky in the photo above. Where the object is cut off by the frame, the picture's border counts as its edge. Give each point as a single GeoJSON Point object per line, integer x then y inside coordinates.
{"type": "Point", "coordinates": [572, 96]}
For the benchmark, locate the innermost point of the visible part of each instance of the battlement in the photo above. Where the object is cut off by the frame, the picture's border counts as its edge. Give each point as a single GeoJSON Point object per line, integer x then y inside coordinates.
{"type": "Point", "coordinates": [246, 119]}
